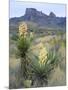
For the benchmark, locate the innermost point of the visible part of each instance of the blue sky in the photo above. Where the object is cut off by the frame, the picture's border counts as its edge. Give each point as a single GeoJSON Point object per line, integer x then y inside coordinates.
{"type": "Point", "coordinates": [18, 8]}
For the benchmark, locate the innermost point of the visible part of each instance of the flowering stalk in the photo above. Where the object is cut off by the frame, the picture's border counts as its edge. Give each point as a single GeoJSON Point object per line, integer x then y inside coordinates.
{"type": "Point", "coordinates": [22, 29]}
{"type": "Point", "coordinates": [42, 55]}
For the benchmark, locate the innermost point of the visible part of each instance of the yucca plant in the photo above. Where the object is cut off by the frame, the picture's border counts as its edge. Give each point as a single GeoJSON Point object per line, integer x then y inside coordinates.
{"type": "Point", "coordinates": [23, 45]}
{"type": "Point", "coordinates": [42, 67]}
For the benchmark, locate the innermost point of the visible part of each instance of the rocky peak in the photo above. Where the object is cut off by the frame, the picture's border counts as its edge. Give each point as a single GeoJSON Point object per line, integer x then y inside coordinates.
{"type": "Point", "coordinates": [30, 11]}
{"type": "Point", "coordinates": [32, 14]}
{"type": "Point", "coordinates": [52, 14]}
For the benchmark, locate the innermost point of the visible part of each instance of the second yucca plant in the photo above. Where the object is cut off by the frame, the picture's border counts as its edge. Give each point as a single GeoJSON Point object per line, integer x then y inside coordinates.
{"type": "Point", "coordinates": [42, 65]}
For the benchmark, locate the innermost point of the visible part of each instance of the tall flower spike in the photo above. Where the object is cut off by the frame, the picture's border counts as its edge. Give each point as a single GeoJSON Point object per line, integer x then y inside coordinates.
{"type": "Point", "coordinates": [22, 28]}
{"type": "Point", "coordinates": [42, 56]}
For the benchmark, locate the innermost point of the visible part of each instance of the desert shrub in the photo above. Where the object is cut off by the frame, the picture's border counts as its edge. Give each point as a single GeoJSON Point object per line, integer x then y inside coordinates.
{"type": "Point", "coordinates": [42, 66]}
{"type": "Point", "coordinates": [23, 45]}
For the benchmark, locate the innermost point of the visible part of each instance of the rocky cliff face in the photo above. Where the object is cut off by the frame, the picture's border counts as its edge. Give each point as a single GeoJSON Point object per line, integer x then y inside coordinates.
{"type": "Point", "coordinates": [31, 14]}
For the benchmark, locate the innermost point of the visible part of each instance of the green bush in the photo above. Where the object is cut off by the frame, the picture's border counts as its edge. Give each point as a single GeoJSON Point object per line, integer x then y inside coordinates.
{"type": "Point", "coordinates": [23, 46]}
{"type": "Point", "coordinates": [41, 73]}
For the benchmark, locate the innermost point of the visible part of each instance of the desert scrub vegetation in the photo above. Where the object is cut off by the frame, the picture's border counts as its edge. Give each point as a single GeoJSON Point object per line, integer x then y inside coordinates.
{"type": "Point", "coordinates": [42, 65]}
{"type": "Point", "coordinates": [37, 62]}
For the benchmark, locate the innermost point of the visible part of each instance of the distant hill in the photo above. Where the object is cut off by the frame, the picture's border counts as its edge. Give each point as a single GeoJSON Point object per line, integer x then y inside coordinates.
{"type": "Point", "coordinates": [39, 18]}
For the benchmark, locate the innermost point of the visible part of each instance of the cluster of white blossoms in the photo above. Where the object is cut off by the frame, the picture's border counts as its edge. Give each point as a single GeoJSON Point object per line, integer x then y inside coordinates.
{"type": "Point", "coordinates": [41, 51]}
{"type": "Point", "coordinates": [42, 54]}
{"type": "Point", "coordinates": [23, 29]}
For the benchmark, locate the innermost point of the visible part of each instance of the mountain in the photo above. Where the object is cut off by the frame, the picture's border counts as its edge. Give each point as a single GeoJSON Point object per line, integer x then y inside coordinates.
{"type": "Point", "coordinates": [41, 19]}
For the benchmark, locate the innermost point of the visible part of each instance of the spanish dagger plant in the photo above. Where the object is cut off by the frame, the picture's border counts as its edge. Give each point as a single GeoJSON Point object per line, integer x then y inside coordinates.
{"type": "Point", "coordinates": [23, 45]}
{"type": "Point", "coordinates": [42, 65]}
